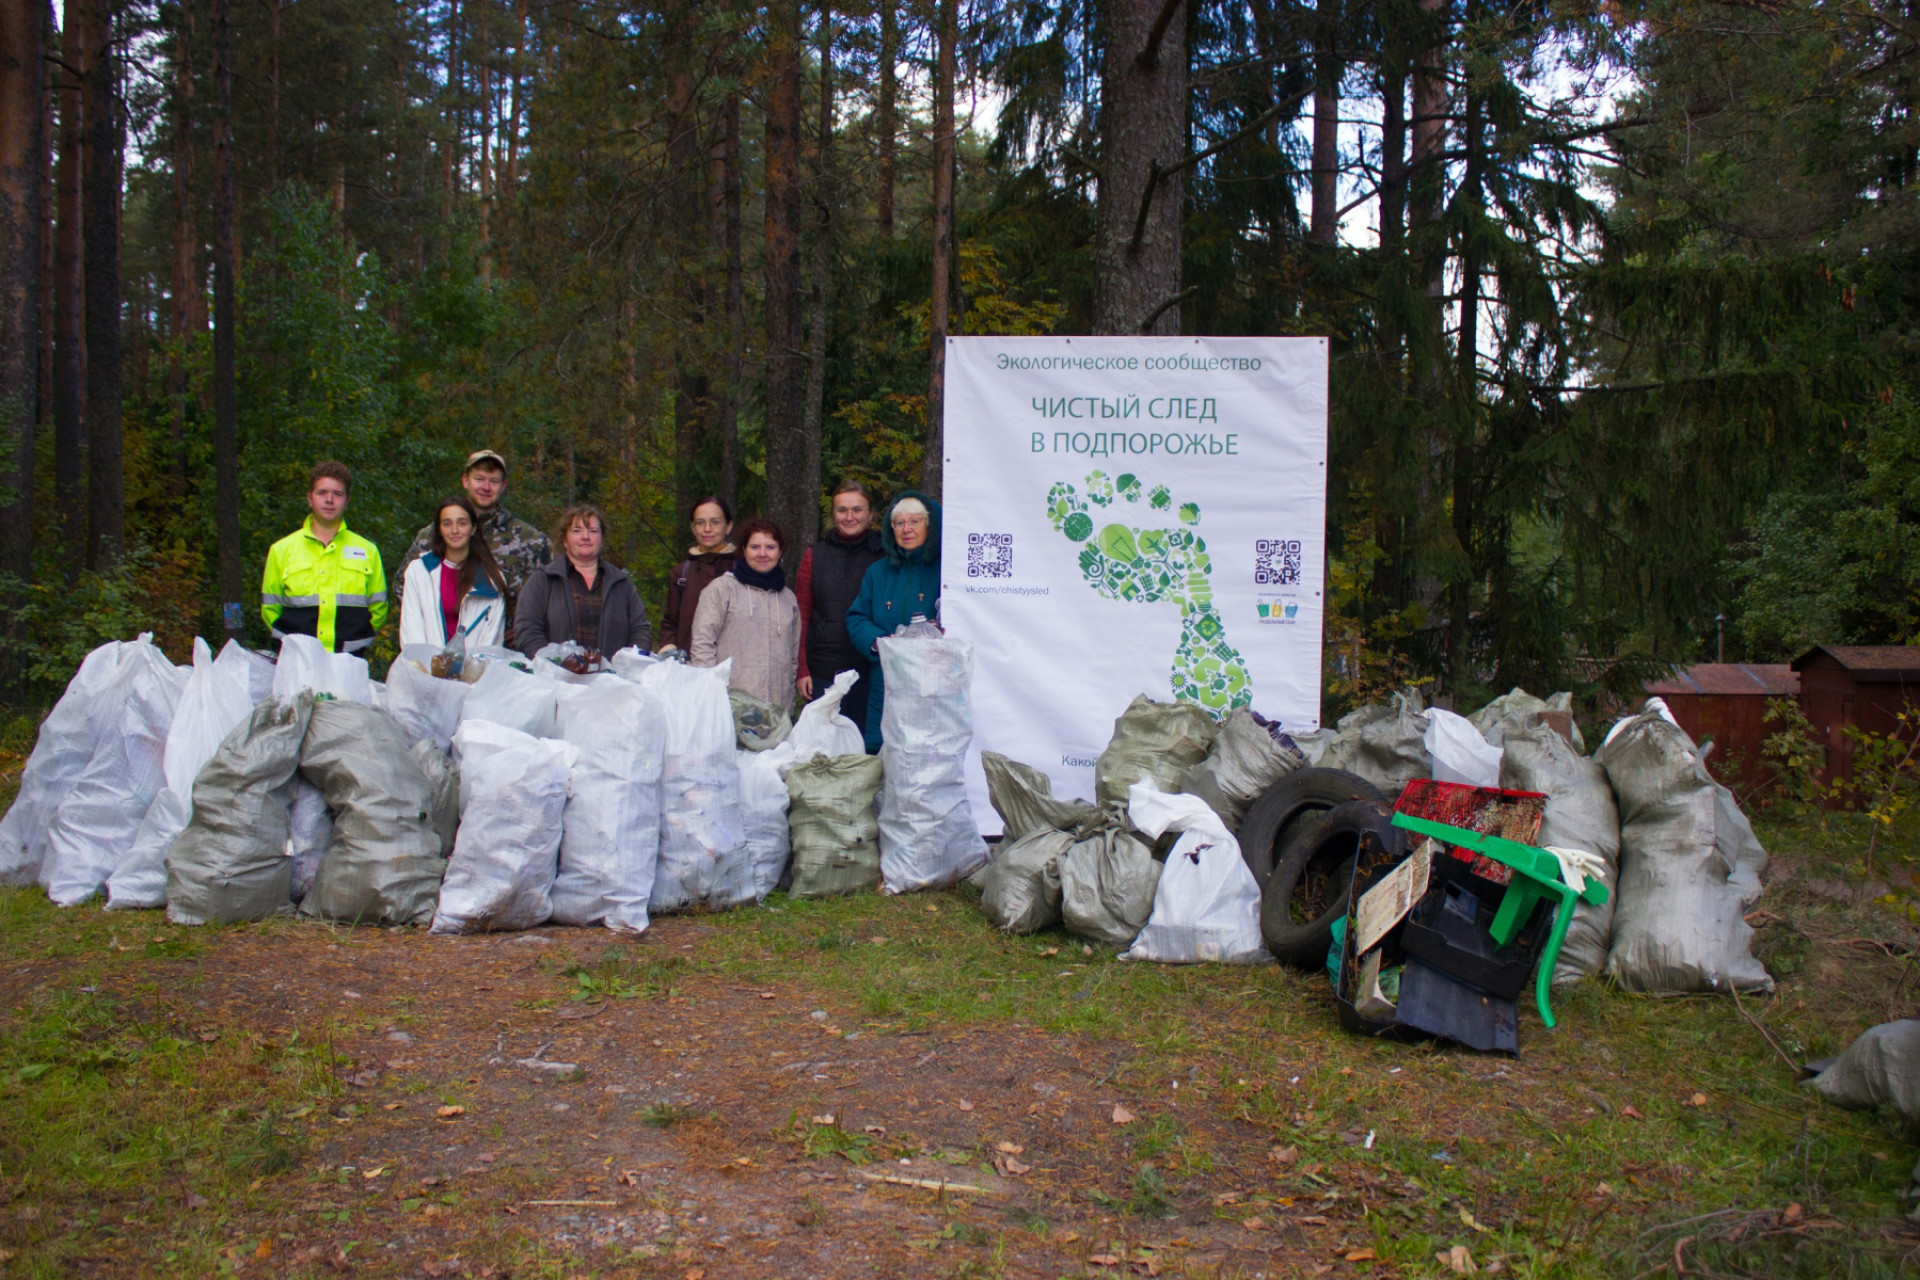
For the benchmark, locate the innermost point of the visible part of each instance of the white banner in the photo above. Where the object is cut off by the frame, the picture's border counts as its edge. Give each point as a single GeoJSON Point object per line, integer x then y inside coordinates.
{"type": "Point", "coordinates": [1127, 516]}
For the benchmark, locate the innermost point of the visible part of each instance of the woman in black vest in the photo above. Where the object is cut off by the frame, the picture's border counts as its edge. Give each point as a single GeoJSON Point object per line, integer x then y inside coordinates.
{"type": "Point", "coordinates": [828, 580]}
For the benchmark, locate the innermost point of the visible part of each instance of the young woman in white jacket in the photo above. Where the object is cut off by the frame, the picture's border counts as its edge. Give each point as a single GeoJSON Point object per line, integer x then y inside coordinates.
{"type": "Point", "coordinates": [456, 586]}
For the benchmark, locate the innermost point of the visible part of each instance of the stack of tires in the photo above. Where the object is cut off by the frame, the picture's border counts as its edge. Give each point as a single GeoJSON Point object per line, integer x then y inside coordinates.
{"type": "Point", "coordinates": [1299, 840]}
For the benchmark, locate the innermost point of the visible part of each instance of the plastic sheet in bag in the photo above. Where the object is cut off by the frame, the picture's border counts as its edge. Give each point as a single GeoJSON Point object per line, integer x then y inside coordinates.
{"type": "Point", "coordinates": [703, 849]}
{"type": "Point", "coordinates": [763, 814]}
{"type": "Point", "coordinates": [1023, 797]}
{"type": "Point", "coordinates": [1021, 890]}
{"type": "Point", "coordinates": [1158, 740]}
{"type": "Point", "coordinates": [307, 665]}
{"type": "Point", "coordinates": [1107, 880]}
{"type": "Point", "coordinates": [1879, 1069]}
{"type": "Point", "coordinates": [610, 844]}
{"type": "Point", "coordinates": [835, 838]}
{"type": "Point", "coordinates": [309, 832]}
{"type": "Point", "coordinates": [60, 754]}
{"type": "Point", "coordinates": [1689, 867]}
{"type": "Point", "coordinates": [260, 670]}
{"type": "Point", "coordinates": [505, 695]}
{"type": "Point", "coordinates": [630, 663]}
{"type": "Point", "coordinates": [513, 803]}
{"type": "Point", "coordinates": [581, 698]}
{"type": "Point", "coordinates": [231, 862]}
{"type": "Point", "coordinates": [1580, 814]}
{"type": "Point", "coordinates": [1207, 905]}
{"type": "Point", "coordinates": [102, 810]}
{"type": "Point", "coordinates": [443, 793]}
{"type": "Point", "coordinates": [757, 725]}
{"type": "Point", "coordinates": [927, 833]}
{"type": "Point", "coordinates": [820, 729]}
{"type": "Point", "coordinates": [1459, 753]}
{"type": "Point", "coordinates": [216, 699]}
{"type": "Point", "coordinates": [1243, 762]}
{"type": "Point", "coordinates": [383, 863]}
{"type": "Point", "coordinates": [426, 707]}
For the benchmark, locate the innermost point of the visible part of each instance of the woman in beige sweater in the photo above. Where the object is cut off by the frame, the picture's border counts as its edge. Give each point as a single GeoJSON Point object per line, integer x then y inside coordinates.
{"type": "Point", "coordinates": [749, 616]}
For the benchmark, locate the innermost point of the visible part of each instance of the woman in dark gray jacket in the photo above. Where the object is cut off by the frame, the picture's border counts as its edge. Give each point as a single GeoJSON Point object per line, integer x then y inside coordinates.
{"type": "Point", "coordinates": [578, 596]}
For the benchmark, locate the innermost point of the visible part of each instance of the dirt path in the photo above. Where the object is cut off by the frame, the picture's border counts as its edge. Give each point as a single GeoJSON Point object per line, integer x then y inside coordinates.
{"type": "Point", "coordinates": [717, 1130]}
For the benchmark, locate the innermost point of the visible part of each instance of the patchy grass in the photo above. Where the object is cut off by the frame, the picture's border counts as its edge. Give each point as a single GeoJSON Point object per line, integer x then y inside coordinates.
{"type": "Point", "coordinates": [149, 1125]}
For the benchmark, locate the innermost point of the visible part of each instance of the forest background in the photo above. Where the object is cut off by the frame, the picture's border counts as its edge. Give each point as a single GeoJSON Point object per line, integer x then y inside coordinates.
{"type": "Point", "coordinates": [1622, 297]}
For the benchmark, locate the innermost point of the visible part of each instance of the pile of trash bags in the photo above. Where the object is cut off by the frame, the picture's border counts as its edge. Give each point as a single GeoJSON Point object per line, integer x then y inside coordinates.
{"type": "Point", "coordinates": [515, 793]}
{"type": "Point", "coordinates": [1091, 867]}
{"type": "Point", "coordinates": [525, 791]}
{"type": "Point", "coordinates": [1678, 858]}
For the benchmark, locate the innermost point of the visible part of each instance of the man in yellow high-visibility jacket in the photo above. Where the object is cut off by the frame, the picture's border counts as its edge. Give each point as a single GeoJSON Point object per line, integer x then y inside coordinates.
{"type": "Point", "coordinates": [323, 580]}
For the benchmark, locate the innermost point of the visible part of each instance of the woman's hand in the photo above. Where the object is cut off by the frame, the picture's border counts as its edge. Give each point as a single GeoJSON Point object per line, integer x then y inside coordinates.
{"type": "Point", "coordinates": [805, 687]}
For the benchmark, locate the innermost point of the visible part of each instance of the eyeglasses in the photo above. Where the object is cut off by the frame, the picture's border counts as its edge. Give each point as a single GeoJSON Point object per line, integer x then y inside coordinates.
{"type": "Point", "coordinates": [906, 522]}
{"type": "Point", "coordinates": [709, 524]}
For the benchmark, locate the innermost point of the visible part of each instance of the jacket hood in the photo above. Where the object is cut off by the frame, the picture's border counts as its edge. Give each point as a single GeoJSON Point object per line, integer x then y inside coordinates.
{"type": "Point", "coordinates": [927, 552]}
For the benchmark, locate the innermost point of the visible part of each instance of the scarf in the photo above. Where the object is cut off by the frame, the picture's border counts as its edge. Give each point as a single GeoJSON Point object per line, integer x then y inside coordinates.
{"type": "Point", "coordinates": [775, 581]}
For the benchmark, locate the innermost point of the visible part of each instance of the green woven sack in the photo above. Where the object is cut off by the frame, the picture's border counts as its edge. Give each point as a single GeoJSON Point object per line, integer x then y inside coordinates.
{"type": "Point", "coordinates": [836, 847]}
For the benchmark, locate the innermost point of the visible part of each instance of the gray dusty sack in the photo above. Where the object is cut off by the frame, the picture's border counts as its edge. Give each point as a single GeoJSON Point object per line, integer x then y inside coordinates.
{"type": "Point", "coordinates": [1880, 1069]}
{"type": "Point", "coordinates": [1020, 890]}
{"type": "Point", "coordinates": [1580, 814]}
{"type": "Point", "coordinates": [1689, 867]}
{"type": "Point", "coordinates": [1107, 879]}
{"type": "Point", "coordinates": [835, 837]}
{"type": "Point", "coordinates": [383, 864]}
{"type": "Point", "coordinates": [1023, 797]}
{"type": "Point", "coordinates": [1244, 761]}
{"type": "Point", "coordinates": [1158, 740]}
{"type": "Point", "coordinates": [231, 862]}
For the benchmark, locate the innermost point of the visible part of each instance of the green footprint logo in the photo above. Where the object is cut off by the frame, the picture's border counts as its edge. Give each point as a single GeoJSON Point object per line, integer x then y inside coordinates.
{"type": "Point", "coordinates": [1150, 565]}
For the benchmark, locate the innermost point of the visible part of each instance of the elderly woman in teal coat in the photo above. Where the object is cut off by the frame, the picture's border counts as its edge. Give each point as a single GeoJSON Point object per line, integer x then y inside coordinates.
{"type": "Point", "coordinates": [898, 590]}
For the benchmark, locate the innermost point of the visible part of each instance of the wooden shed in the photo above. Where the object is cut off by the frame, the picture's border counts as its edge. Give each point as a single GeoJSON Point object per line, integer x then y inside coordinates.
{"type": "Point", "coordinates": [1866, 686]}
{"type": "Point", "coordinates": [1727, 702]}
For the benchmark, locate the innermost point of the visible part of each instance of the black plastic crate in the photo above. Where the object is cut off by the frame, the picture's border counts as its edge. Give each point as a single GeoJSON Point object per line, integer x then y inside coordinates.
{"type": "Point", "coordinates": [1448, 928]}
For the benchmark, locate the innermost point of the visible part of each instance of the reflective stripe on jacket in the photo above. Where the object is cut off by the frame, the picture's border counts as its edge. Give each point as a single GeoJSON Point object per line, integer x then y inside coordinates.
{"type": "Point", "coordinates": [334, 591]}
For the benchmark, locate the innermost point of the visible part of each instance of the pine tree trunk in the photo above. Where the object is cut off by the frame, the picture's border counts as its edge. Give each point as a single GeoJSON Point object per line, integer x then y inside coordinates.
{"type": "Point", "coordinates": [184, 285]}
{"type": "Point", "coordinates": [226, 427]}
{"type": "Point", "coordinates": [820, 300]}
{"type": "Point", "coordinates": [1462, 462]}
{"type": "Point", "coordinates": [933, 459]}
{"type": "Point", "coordinates": [1393, 155]}
{"type": "Point", "coordinates": [1143, 132]}
{"type": "Point", "coordinates": [693, 391]}
{"type": "Point", "coordinates": [723, 167]}
{"type": "Point", "coordinates": [1323, 227]}
{"type": "Point", "coordinates": [49, 130]}
{"type": "Point", "coordinates": [788, 486]}
{"type": "Point", "coordinates": [886, 119]}
{"type": "Point", "coordinates": [105, 137]}
{"type": "Point", "coordinates": [69, 309]}
{"type": "Point", "coordinates": [22, 163]}
{"type": "Point", "coordinates": [1427, 190]}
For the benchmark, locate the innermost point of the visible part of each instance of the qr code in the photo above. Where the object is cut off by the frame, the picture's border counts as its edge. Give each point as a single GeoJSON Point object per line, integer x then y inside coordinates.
{"type": "Point", "coordinates": [1276, 562]}
{"type": "Point", "coordinates": [989, 555]}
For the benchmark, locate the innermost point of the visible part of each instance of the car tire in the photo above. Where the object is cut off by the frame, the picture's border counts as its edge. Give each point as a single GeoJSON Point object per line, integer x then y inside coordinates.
{"type": "Point", "coordinates": [1286, 806]}
{"type": "Point", "coordinates": [1309, 886]}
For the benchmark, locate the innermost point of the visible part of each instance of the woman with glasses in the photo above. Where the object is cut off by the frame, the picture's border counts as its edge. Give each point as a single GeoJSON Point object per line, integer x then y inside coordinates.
{"type": "Point", "coordinates": [901, 589]}
{"type": "Point", "coordinates": [711, 556]}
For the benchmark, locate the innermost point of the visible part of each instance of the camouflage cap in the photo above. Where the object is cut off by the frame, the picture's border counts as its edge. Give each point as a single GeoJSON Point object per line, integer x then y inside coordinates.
{"type": "Point", "coordinates": [479, 456]}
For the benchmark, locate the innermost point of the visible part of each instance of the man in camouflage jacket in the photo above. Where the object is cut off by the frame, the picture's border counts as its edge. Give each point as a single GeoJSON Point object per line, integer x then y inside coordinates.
{"type": "Point", "coordinates": [519, 547]}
